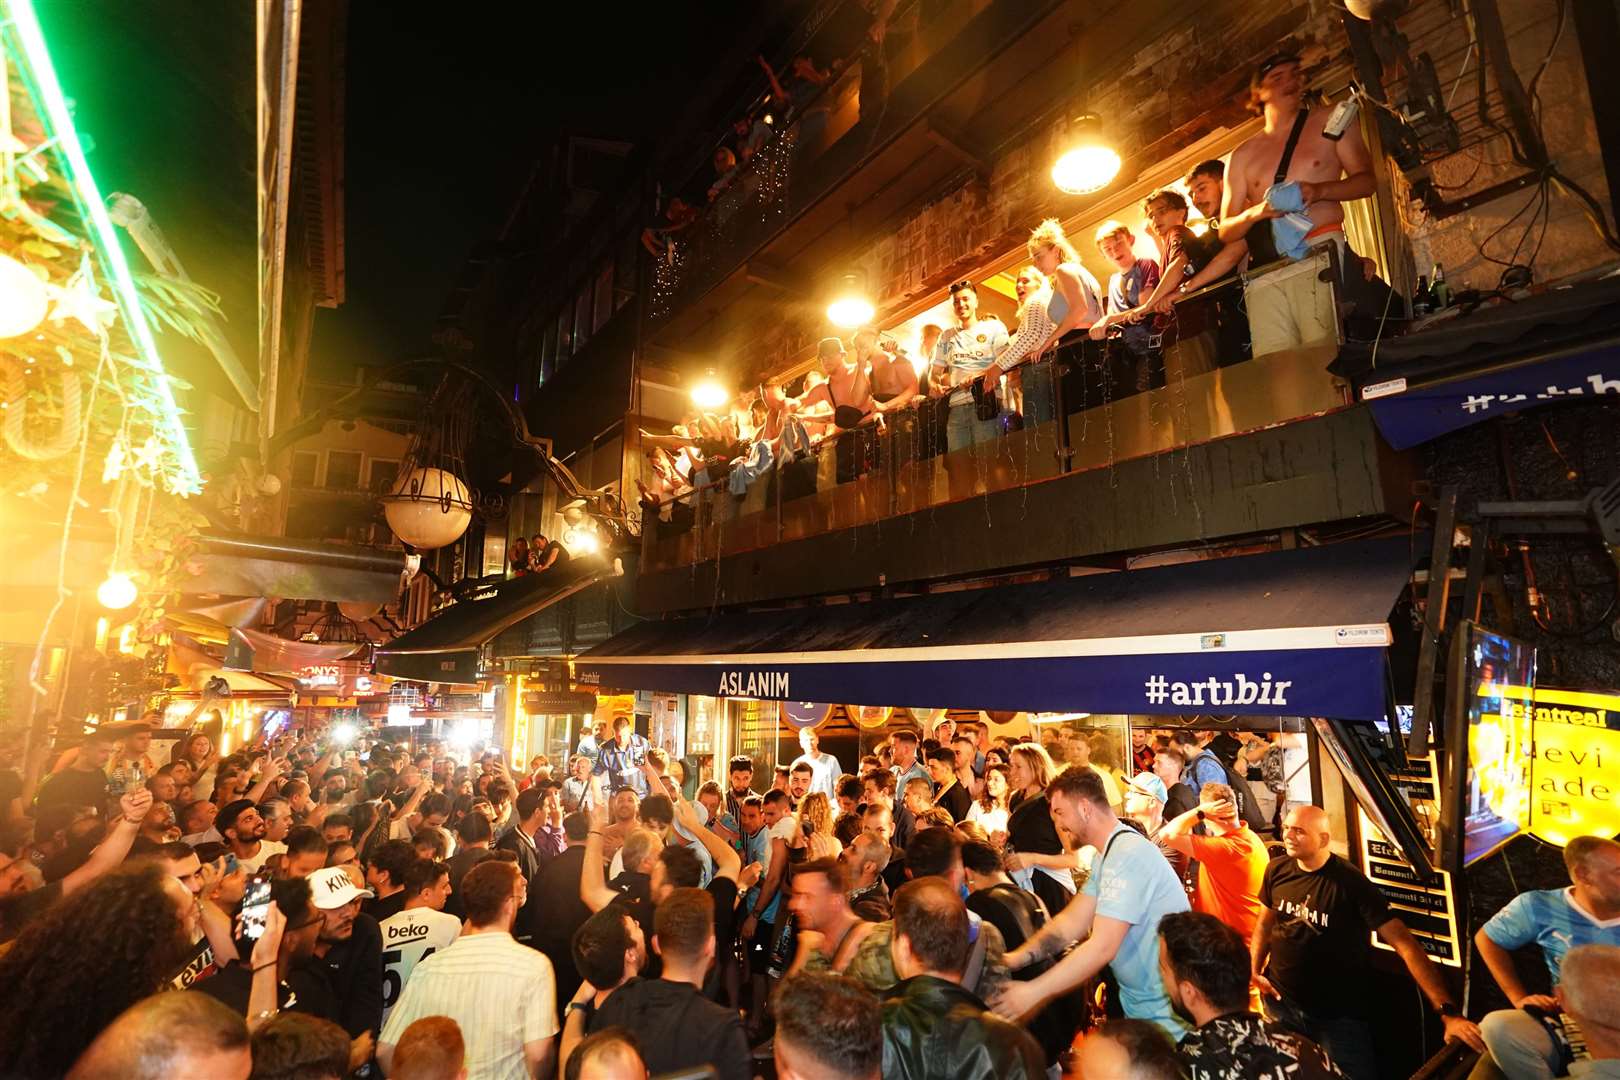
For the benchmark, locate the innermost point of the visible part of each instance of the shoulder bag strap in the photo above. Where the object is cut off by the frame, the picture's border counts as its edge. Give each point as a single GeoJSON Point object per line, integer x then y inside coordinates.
{"type": "Point", "coordinates": [1293, 141]}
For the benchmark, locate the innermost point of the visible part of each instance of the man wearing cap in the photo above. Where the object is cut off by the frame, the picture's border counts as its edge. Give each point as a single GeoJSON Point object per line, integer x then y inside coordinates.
{"type": "Point", "coordinates": [1145, 799]}
{"type": "Point", "coordinates": [1270, 217]}
{"type": "Point", "coordinates": [846, 397]}
{"type": "Point", "coordinates": [83, 782]}
{"type": "Point", "coordinates": [962, 355]}
{"type": "Point", "coordinates": [349, 948]}
{"type": "Point", "coordinates": [243, 829]}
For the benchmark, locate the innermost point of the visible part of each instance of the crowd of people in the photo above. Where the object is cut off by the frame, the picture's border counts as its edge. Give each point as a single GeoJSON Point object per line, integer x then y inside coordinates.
{"type": "Point", "coordinates": [300, 908]}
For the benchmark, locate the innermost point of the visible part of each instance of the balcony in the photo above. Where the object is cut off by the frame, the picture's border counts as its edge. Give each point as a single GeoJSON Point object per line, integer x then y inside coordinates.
{"type": "Point", "coordinates": [1196, 442]}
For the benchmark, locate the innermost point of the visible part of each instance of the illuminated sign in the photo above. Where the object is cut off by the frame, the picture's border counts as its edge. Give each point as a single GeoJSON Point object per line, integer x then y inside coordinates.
{"type": "Point", "coordinates": [319, 675]}
{"type": "Point", "coordinates": [1428, 907]}
{"type": "Point", "coordinates": [1575, 782]}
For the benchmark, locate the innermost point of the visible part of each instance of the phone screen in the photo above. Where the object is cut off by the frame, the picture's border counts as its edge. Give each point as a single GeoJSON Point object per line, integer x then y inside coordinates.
{"type": "Point", "coordinates": [255, 907]}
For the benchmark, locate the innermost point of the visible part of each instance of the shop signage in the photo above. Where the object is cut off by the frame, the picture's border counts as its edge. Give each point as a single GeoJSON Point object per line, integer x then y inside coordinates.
{"type": "Point", "coordinates": [1427, 906]}
{"type": "Point", "coordinates": [1416, 416]}
{"type": "Point", "coordinates": [1344, 681]}
{"type": "Point", "coordinates": [1575, 773]}
{"type": "Point", "coordinates": [321, 675]}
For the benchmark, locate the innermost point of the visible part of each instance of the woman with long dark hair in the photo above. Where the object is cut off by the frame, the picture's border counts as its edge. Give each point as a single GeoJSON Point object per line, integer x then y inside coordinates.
{"type": "Point", "coordinates": [87, 959]}
{"type": "Point", "coordinates": [1036, 857]}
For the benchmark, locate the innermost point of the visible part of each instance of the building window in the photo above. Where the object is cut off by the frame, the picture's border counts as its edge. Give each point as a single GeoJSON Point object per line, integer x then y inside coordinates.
{"type": "Point", "coordinates": [343, 469]}
{"type": "Point", "coordinates": [582, 316]}
{"type": "Point", "coordinates": [604, 295]}
{"type": "Point", "coordinates": [624, 274]}
{"type": "Point", "coordinates": [565, 336]}
{"type": "Point", "coordinates": [384, 471]}
{"type": "Point", "coordinates": [304, 464]}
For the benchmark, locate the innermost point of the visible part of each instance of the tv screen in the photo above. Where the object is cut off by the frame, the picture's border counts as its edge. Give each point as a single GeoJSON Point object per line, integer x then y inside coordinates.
{"type": "Point", "coordinates": [1496, 790]}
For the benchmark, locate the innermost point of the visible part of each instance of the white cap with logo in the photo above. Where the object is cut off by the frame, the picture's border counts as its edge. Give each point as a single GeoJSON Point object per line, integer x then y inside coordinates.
{"type": "Point", "coordinates": [333, 887]}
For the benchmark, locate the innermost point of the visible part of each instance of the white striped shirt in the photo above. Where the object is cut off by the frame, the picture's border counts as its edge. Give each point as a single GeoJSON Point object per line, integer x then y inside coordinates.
{"type": "Point", "coordinates": [502, 995]}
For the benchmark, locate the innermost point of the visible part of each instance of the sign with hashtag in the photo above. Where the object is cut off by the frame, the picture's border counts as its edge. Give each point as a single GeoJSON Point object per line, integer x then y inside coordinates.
{"type": "Point", "coordinates": [1346, 682]}
{"type": "Point", "coordinates": [1418, 415]}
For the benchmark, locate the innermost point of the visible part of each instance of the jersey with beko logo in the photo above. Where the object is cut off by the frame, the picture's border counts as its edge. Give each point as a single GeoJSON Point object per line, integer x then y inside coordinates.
{"type": "Point", "coordinates": [407, 937]}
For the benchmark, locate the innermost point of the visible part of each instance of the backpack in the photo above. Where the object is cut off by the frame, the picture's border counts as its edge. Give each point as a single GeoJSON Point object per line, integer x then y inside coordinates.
{"type": "Point", "coordinates": [1271, 770]}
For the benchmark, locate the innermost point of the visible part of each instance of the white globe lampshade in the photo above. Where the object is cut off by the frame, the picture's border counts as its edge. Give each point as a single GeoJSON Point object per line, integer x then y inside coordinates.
{"type": "Point", "coordinates": [22, 298]}
{"type": "Point", "coordinates": [428, 508]}
{"type": "Point", "coordinates": [358, 610]}
{"type": "Point", "coordinates": [116, 593]}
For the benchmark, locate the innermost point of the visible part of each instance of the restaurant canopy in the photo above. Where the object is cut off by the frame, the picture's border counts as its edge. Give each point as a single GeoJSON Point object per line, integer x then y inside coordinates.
{"type": "Point", "coordinates": [1302, 632]}
{"type": "Point", "coordinates": [445, 648]}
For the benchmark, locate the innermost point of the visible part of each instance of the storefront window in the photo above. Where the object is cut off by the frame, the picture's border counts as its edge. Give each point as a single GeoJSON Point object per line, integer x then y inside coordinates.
{"type": "Point", "coordinates": [1093, 739]}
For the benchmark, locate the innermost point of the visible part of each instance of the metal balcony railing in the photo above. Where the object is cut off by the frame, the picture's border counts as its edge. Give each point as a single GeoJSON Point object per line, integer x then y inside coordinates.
{"type": "Point", "coordinates": [1092, 406]}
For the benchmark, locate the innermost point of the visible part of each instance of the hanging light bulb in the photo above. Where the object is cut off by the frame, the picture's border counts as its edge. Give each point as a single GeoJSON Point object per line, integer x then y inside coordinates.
{"type": "Point", "coordinates": [22, 298]}
{"type": "Point", "coordinates": [709, 392]}
{"type": "Point", "coordinates": [1090, 163]}
{"type": "Point", "coordinates": [117, 592]}
{"type": "Point", "coordinates": [850, 308]}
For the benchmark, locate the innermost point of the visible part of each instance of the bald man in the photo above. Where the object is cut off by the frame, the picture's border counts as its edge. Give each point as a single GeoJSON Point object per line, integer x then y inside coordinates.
{"type": "Point", "coordinates": [181, 1033]}
{"type": "Point", "coordinates": [609, 1054]}
{"type": "Point", "coordinates": [1318, 914]}
{"type": "Point", "coordinates": [1590, 993]}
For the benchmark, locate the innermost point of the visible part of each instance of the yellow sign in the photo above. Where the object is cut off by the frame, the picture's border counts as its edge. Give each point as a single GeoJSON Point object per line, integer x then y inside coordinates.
{"type": "Point", "coordinates": [1575, 790]}
{"type": "Point", "coordinates": [1577, 765]}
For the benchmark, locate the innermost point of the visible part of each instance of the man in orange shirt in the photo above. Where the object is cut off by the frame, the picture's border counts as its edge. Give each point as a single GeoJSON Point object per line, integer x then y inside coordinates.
{"type": "Point", "coordinates": [1231, 858]}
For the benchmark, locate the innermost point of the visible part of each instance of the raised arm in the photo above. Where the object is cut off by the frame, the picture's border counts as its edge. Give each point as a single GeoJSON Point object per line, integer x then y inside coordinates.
{"type": "Point", "coordinates": [112, 850]}
{"type": "Point", "coordinates": [272, 769]}
{"type": "Point", "coordinates": [593, 886]}
{"type": "Point", "coordinates": [727, 864]}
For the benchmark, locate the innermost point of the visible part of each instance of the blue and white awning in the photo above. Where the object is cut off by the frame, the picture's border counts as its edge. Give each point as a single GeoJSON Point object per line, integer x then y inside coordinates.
{"type": "Point", "coordinates": [1287, 633]}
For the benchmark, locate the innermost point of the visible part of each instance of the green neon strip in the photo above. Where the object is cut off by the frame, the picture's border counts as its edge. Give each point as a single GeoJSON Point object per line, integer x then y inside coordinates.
{"type": "Point", "coordinates": [59, 125]}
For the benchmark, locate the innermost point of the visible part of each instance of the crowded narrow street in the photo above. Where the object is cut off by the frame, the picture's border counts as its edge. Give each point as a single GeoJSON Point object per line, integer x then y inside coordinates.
{"type": "Point", "coordinates": [718, 540]}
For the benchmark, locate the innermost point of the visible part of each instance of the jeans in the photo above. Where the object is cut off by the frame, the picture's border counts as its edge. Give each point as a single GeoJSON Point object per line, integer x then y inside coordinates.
{"type": "Point", "coordinates": [964, 428]}
{"type": "Point", "coordinates": [1348, 1040]}
{"type": "Point", "coordinates": [1519, 1044]}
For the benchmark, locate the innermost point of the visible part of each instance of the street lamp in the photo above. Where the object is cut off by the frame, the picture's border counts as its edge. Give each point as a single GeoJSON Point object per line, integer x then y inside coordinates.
{"type": "Point", "coordinates": [850, 307]}
{"type": "Point", "coordinates": [429, 508]}
{"type": "Point", "coordinates": [709, 392]}
{"type": "Point", "coordinates": [1090, 163]}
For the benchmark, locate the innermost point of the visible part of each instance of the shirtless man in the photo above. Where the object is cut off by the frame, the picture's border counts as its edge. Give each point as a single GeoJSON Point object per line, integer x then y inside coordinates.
{"type": "Point", "coordinates": [847, 398]}
{"type": "Point", "coordinates": [894, 380]}
{"type": "Point", "coordinates": [1328, 173]}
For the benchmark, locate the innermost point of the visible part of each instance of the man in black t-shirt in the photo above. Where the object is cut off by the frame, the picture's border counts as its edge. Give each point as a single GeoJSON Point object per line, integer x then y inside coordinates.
{"type": "Point", "coordinates": [1311, 952]}
{"type": "Point", "coordinates": [84, 781]}
{"type": "Point", "coordinates": [678, 1027]}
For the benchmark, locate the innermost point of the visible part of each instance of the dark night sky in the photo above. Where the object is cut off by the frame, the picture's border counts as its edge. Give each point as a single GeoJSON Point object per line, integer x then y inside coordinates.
{"type": "Point", "coordinates": [448, 106]}
{"type": "Point", "coordinates": [445, 116]}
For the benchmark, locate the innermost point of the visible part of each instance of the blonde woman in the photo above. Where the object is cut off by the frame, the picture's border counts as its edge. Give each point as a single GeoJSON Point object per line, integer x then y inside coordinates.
{"type": "Point", "coordinates": [1073, 301]}
{"type": "Point", "coordinates": [1036, 856]}
{"type": "Point", "coordinates": [819, 842]}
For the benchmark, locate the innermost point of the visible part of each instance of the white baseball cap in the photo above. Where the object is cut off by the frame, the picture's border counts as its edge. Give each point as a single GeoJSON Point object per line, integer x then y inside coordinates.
{"type": "Point", "coordinates": [333, 887]}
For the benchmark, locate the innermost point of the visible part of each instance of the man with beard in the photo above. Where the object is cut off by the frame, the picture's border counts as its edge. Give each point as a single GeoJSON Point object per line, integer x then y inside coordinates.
{"type": "Point", "coordinates": [1205, 967]}
{"type": "Point", "coordinates": [349, 947]}
{"type": "Point", "coordinates": [244, 830]}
